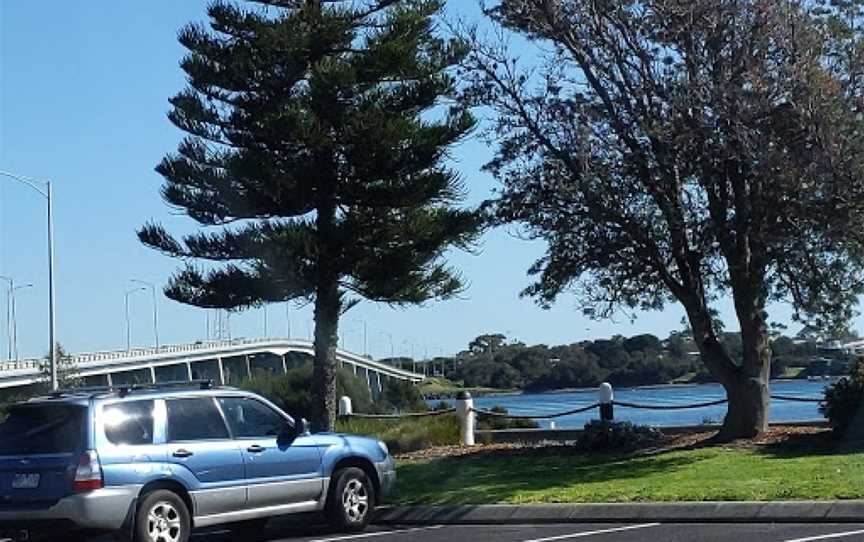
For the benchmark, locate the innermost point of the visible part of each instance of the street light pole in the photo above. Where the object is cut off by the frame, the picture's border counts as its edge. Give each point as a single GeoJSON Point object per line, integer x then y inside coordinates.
{"type": "Point", "coordinates": [128, 324]}
{"type": "Point", "coordinates": [9, 288]}
{"type": "Point", "coordinates": [155, 310]}
{"type": "Point", "coordinates": [15, 317]}
{"type": "Point", "coordinates": [47, 193]}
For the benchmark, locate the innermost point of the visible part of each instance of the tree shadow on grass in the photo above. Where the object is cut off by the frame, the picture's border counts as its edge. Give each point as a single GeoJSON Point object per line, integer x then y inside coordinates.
{"type": "Point", "coordinates": [824, 443]}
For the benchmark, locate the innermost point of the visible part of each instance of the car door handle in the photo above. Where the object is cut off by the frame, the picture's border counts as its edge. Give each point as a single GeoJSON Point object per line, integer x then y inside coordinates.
{"type": "Point", "coordinates": [255, 449]}
{"type": "Point", "coordinates": [183, 453]}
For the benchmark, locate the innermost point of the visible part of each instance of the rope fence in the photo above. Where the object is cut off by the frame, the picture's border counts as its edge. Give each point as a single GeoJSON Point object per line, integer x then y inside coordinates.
{"type": "Point", "coordinates": [467, 413]}
{"type": "Point", "coordinates": [534, 417]}
{"type": "Point", "coordinates": [669, 407]}
{"type": "Point", "coordinates": [798, 399]}
{"type": "Point", "coordinates": [580, 410]}
{"type": "Point", "coordinates": [404, 415]}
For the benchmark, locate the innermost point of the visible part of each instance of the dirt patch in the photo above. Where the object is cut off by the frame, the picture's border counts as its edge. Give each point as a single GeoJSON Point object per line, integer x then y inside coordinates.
{"type": "Point", "coordinates": [779, 436]}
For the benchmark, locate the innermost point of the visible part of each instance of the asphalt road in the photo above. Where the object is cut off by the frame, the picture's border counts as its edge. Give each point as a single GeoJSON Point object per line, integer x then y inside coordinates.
{"type": "Point", "coordinates": [628, 532]}
{"type": "Point", "coordinates": [599, 532]}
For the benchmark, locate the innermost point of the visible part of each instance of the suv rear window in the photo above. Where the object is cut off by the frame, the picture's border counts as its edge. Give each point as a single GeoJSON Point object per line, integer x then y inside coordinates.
{"type": "Point", "coordinates": [194, 419]}
{"type": "Point", "coordinates": [42, 429]}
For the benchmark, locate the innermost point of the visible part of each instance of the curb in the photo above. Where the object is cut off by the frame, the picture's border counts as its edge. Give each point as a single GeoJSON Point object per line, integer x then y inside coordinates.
{"type": "Point", "coordinates": [672, 512]}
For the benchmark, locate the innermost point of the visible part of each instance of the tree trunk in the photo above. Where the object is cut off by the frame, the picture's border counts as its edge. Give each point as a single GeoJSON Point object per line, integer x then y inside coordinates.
{"type": "Point", "coordinates": [327, 306]}
{"type": "Point", "coordinates": [746, 384]}
{"type": "Point", "coordinates": [747, 414]}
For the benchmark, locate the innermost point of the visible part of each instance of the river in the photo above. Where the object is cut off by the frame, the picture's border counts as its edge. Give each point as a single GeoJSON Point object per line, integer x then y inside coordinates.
{"type": "Point", "coordinates": [553, 402]}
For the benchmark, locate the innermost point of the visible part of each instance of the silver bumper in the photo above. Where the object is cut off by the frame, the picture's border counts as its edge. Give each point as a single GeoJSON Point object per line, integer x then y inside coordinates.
{"type": "Point", "coordinates": [105, 508]}
{"type": "Point", "coordinates": [386, 475]}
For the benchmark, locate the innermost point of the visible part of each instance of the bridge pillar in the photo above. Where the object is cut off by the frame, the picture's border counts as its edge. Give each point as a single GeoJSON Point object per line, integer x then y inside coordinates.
{"type": "Point", "coordinates": [152, 374]}
{"type": "Point", "coordinates": [284, 364]}
{"type": "Point", "coordinates": [221, 371]}
{"type": "Point", "coordinates": [380, 387]}
{"type": "Point", "coordinates": [248, 366]}
{"type": "Point", "coordinates": [189, 370]}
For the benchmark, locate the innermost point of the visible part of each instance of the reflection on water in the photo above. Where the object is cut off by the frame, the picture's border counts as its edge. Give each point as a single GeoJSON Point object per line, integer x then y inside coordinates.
{"type": "Point", "coordinates": [550, 403]}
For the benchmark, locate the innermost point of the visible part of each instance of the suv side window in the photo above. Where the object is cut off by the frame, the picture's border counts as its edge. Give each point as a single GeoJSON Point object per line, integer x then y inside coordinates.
{"type": "Point", "coordinates": [129, 423]}
{"type": "Point", "coordinates": [194, 419]}
{"type": "Point", "coordinates": [249, 418]}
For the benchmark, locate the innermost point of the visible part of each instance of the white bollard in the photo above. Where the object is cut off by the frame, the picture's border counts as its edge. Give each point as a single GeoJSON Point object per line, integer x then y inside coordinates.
{"type": "Point", "coordinates": [467, 417]}
{"type": "Point", "coordinates": [345, 408]}
{"type": "Point", "coordinates": [606, 397]}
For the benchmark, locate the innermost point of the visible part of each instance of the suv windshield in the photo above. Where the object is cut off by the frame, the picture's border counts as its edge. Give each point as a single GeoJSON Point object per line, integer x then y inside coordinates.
{"type": "Point", "coordinates": [42, 429]}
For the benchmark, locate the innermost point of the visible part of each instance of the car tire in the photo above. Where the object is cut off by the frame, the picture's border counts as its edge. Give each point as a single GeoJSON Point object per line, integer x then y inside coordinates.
{"type": "Point", "coordinates": [351, 503]}
{"type": "Point", "coordinates": [162, 516]}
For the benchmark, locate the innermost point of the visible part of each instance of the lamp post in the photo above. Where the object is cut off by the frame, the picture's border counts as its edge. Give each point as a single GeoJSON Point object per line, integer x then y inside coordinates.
{"type": "Point", "coordinates": [155, 310]}
{"type": "Point", "coordinates": [46, 192]}
{"type": "Point", "coordinates": [128, 325]}
{"type": "Point", "coordinates": [9, 314]}
{"type": "Point", "coordinates": [15, 316]}
{"type": "Point", "coordinates": [12, 316]}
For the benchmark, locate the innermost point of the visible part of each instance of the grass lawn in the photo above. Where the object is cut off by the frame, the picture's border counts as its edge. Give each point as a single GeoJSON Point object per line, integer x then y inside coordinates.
{"type": "Point", "coordinates": [557, 475]}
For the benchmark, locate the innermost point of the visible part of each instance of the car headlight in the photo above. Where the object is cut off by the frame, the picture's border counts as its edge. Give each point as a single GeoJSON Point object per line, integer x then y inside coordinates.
{"type": "Point", "coordinates": [384, 448]}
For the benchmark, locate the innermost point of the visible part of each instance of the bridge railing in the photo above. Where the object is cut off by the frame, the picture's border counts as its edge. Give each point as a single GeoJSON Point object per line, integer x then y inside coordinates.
{"type": "Point", "coordinates": [88, 360]}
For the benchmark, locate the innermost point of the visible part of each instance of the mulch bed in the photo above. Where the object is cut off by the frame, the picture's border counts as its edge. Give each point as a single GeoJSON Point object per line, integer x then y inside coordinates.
{"type": "Point", "coordinates": [779, 436]}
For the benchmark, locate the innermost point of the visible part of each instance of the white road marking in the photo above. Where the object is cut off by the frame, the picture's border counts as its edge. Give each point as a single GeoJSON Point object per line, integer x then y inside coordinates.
{"type": "Point", "coordinates": [377, 533]}
{"type": "Point", "coordinates": [592, 533]}
{"type": "Point", "coordinates": [827, 536]}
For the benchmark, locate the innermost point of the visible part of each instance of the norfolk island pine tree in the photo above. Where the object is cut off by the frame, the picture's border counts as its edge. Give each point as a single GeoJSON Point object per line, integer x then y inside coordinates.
{"type": "Point", "coordinates": [314, 165]}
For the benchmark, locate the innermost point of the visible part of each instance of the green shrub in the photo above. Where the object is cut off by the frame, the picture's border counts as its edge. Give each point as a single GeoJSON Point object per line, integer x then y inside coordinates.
{"type": "Point", "coordinates": [406, 434]}
{"type": "Point", "coordinates": [495, 422]}
{"type": "Point", "coordinates": [844, 401]}
{"type": "Point", "coordinates": [401, 396]}
{"type": "Point", "coordinates": [442, 405]}
{"type": "Point", "coordinates": [600, 436]}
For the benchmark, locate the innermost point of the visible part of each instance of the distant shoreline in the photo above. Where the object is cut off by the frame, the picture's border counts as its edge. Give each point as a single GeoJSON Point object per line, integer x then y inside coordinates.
{"type": "Point", "coordinates": [512, 393]}
{"type": "Point", "coordinates": [830, 380]}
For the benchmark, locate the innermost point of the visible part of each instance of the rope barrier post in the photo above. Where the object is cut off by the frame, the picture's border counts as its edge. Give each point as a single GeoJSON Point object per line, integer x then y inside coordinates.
{"type": "Point", "coordinates": [467, 417]}
{"type": "Point", "coordinates": [606, 395]}
{"type": "Point", "coordinates": [345, 408]}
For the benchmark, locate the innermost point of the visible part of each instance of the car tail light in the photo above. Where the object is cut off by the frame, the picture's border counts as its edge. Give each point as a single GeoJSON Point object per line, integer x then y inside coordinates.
{"type": "Point", "coordinates": [88, 475]}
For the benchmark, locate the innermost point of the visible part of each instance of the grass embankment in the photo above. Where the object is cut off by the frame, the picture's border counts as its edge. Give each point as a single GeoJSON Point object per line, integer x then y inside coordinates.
{"type": "Point", "coordinates": [441, 388]}
{"type": "Point", "coordinates": [789, 471]}
{"type": "Point", "coordinates": [406, 434]}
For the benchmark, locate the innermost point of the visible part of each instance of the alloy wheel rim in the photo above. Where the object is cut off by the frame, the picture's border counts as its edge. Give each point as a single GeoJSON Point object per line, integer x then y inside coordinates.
{"type": "Point", "coordinates": [163, 523]}
{"type": "Point", "coordinates": [355, 500]}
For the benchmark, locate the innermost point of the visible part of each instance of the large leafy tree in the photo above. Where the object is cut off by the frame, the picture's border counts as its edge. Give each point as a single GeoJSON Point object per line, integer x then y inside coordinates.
{"type": "Point", "coordinates": [317, 132]}
{"type": "Point", "coordinates": [675, 150]}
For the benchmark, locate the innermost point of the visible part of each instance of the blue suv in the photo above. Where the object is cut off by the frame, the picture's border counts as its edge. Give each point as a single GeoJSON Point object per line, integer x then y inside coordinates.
{"type": "Point", "coordinates": [153, 463]}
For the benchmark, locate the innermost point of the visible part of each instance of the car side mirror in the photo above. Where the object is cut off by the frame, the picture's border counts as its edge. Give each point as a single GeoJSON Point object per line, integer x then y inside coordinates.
{"type": "Point", "coordinates": [290, 432]}
{"type": "Point", "coordinates": [302, 426]}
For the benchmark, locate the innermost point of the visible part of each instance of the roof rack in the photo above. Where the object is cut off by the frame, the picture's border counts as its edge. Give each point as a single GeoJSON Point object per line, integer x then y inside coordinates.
{"type": "Point", "coordinates": [125, 389]}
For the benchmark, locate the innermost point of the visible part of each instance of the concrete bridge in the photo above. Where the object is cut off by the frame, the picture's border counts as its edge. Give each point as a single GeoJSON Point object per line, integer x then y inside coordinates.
{"type": "Point", "coordinates": [225, 362]}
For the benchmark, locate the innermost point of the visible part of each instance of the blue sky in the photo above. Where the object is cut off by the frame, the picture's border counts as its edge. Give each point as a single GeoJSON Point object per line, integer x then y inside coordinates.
{"type": "Point", "coordinates": [83, 98]}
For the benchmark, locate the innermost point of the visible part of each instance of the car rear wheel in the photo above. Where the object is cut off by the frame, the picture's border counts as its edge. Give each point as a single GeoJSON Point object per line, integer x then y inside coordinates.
{"type": "Point", "coordinates": [162, 516]}
{"type": "Point", "coordinates": [351, 502]}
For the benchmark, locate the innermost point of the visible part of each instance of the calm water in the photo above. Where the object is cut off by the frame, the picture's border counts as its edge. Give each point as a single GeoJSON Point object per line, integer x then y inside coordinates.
{"type": "Point", "coordinates": [550, 403]}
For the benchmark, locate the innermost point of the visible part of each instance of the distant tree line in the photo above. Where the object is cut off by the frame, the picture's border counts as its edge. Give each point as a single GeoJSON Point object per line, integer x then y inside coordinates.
{"type": "Point", "coordinates": [491, 361]}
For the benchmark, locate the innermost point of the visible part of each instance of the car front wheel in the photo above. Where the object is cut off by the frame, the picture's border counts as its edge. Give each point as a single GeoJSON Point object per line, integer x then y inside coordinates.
{"type": "Point", "coordinates": [162, 516]}
{"type": "Point", "coordinates": [352, 500]}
